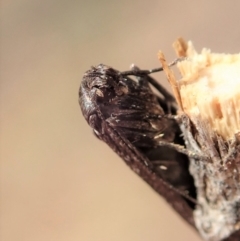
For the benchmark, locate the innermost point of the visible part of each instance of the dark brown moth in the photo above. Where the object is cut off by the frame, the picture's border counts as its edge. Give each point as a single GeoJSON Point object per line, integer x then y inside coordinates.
{"type": "Point", "coordinates": [140, 126]}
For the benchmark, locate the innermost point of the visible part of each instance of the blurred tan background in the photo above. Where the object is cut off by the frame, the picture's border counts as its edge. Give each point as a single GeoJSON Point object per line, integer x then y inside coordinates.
{"type": "Point", "coordinates": [58, 182]}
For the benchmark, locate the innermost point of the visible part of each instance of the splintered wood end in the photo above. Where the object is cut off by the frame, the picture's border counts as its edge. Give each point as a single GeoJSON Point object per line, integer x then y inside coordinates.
{"type": "Point", "coordinates": [180, 47]}
{"type": "Point", "coordinates": [171, 78]}
{"type": "Point", "coordinates": [210, 88]}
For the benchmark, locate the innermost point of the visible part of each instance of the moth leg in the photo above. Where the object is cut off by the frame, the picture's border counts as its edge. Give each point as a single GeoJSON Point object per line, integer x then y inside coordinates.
{"type": "Point", "coordinates": [142, 79]}
{"type": "Point", "coordinates": [183, 150]}
{"type": "Point", "coordinates": [168, 108]}
{"type": "Point", "coordinates": [167, 95]}
{"type": "Point", "coordinates": [168, 103]}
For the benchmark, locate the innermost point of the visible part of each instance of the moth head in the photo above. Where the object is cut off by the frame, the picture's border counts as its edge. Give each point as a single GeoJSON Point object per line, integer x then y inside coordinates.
{"type": "Point", "coordinates": [100, 85]}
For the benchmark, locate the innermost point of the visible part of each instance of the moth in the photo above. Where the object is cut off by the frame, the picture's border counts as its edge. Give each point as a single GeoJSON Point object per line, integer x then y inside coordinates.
{"type": "Point", "coordinates": [127, 115]}
{"type": "Point", "coordinates": [140, 126]}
